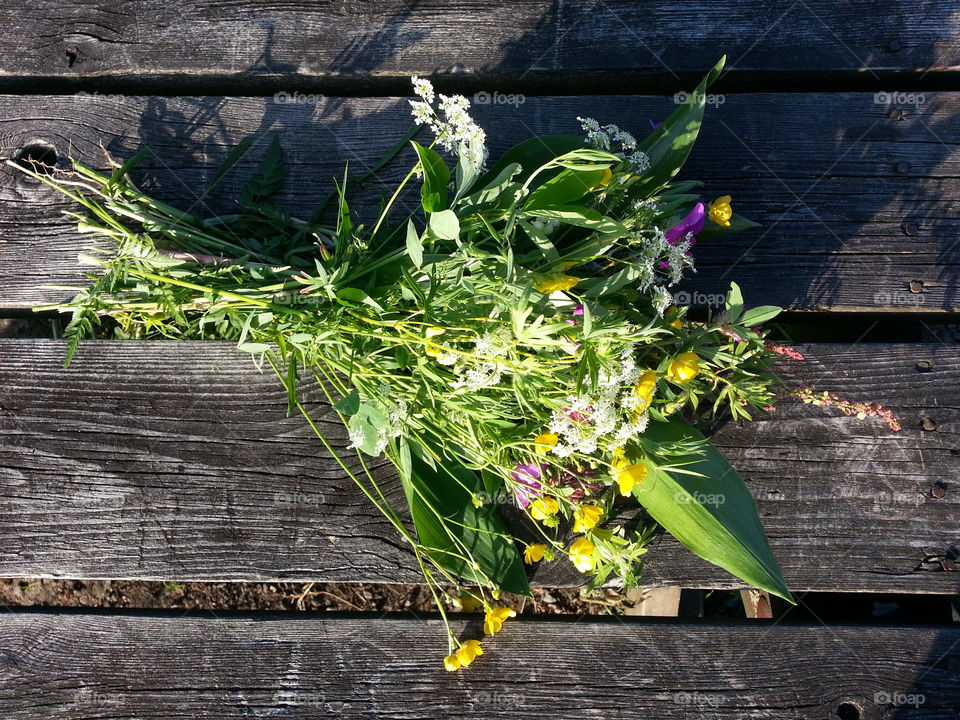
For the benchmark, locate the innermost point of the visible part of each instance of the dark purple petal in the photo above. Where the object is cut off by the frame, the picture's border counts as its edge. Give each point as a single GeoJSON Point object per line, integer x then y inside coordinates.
{"type": "Point", "coordinates": [692, 223]}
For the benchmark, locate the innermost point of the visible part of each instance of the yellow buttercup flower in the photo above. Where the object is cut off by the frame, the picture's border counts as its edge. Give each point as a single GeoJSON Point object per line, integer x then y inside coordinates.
{"type": "Point", "coordinates": [495, 618]}
{"type": "Point", "coordinates": [684, 367]}
{"type": "Point", "coordinates": [553, 282]}
{"type": "Point", "coordinates": [452, 662]}
{"type": "Point", "coordinates": [534, 553]}
{"type": "Point", "coordinates": [581, 554]}
{"type": "Point", "coordinates": [720, 211]}
{"type": "Point", "coordinates": [644, 390]}
{"type": "Point", "coordinates": [586, 517]}
{"type": "Point", "coordinates": [469, 652]}
{"type": "Point", "coordinates": [546, 442]}
{"type": "Point", "coordinates": [630, 476]}
{"type": "Point", "coordinates": [543, 508]}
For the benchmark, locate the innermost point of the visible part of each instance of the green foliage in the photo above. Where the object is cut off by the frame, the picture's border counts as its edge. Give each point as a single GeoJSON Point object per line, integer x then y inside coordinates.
{"type": "Point", "coordinates": [534, 287]}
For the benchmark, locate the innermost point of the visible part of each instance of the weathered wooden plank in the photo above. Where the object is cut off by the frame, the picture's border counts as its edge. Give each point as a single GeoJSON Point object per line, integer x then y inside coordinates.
{"type": "Point", "coordinates": [859, 204]}
{"type": "Point", "coordinates": [351, 45]}
{"type": "Point", "coordinates": [175, 461]}
{"type": "Point", "coordinates": [85, 665]}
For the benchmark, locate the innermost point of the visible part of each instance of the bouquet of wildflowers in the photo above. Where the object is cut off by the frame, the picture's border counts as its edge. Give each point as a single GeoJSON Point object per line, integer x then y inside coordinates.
{"type": "Point", "coordinates": [513, 338]}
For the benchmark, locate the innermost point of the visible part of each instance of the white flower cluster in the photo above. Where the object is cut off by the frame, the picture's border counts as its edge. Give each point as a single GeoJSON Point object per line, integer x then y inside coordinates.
{"type": "Point", "coordinates": [653, 251]}
{"type": "Point", "coordinates": [455, 131]}
{"type": "Point", "coordinates": [608, 417]}
{"type": "Point", "coordinates": [396, 414]}
{"type": "Point", "coordinates": [489, 371]}
{"type": "Point", "coordinates": [612, 139]}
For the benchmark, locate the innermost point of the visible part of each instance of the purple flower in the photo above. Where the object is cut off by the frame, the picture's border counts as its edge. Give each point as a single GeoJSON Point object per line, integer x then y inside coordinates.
{"type": "Point", "coordinates": [527, 477]}
{"type": "Point", "coordinates": [577, 312]}
{"type": "Point", "coordinates": [654, 125]}
{"type": "Point", "coordinates": [692, 223]}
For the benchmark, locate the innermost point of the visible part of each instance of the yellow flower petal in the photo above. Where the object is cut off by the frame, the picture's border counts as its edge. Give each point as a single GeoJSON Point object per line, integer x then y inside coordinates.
{"type": "Point", "coordinates": [546, 442]}
{"type": "Point", "coordinates": [534, 553]}
{"type": "Point", "coordinates": [633, 475]}
{"type": "Point", "coordinates": [586, 517]}
{"type": "Point", "coordinates": [684, 367]}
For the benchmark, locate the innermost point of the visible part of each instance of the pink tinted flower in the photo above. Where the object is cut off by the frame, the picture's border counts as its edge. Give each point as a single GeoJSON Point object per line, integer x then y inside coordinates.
{"type": "Point", "coordinates": [527, 476]}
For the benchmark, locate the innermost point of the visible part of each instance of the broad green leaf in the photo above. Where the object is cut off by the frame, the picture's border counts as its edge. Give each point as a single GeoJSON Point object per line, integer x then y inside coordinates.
{"type": "Point", "coordinates": [414, 246]}
{"type": "Point", "coordinates": [738, 223]}
{"type": "Point", "coordinates": [711, 512]}
{"type": "Point", "coordinates": [444, 225]}
{"type": "Point", "coordinates": [367, 423]}
{"type": "Point", "coordinates": [253, 347]}
{"type": "Point", "coordinates": [759, 315]}
{"type": "Point", "coordinates": [349, 404]}
{"type": "Point", "coordinates": [734, 303]}
{"type": "Point", "coordinates": [669, 145]}
{"type": "Point", "coordinates": [436, 176]}
{"type": "Point", "coordinates": [440, 496]}
{"type": "Point", "coordinates": [566, 187]}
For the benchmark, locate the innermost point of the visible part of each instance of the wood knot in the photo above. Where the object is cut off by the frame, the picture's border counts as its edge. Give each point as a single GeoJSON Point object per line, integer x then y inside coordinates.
{"type": "Point", "coordinates": [928, 424]}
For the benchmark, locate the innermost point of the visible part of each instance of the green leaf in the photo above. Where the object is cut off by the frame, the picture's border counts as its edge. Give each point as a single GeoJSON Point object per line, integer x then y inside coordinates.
{"type": "Point", "coordinates": [759, 315]}
{"type": "Point", "coordinates": [738, 223]}
{"type": "Point", "coordinates": [436, 176]}
{"type": "Point", "coordinates": [414, 246]}
{"type": "Point", "coordinates": [734, 303]}
{"type": "Point", "coordinates": [711, 512]}
{"type": "Point", "coordinates": [367, 423]}
{"type": "Point", "coordinates": [583, 217]}
{"type": "Point", "coordinates": [254, 348]}
{"type": "Point", "coordinates": [566, 187]}
{"type": "Point", "coordinates": [669, 145]}
{"type": "Point", "coordinates": [533, 153]}
{"type": "Point", "coordinates": [440, 495]}
{"type": "Point", "coordinates": [352, 297]}
{"type": "Point", "coordinates": [349, 404]}
{"type": "Point", "coordinates": [444, 225]}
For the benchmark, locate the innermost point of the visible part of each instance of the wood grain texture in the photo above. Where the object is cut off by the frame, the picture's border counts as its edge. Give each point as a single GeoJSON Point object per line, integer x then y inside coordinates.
{"type": "Point", "coordinates": [175, 461]}
{"type": "Point", "coordinates": [85, 665]}
{"type": "Point", "coordinates": [859, 205]}
{"type": "Point", "coordinates": [203, 42]}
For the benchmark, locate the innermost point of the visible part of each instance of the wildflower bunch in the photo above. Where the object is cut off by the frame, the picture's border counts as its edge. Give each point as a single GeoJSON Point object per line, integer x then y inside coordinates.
{"type": "Point", "coordinates": [514, 336]}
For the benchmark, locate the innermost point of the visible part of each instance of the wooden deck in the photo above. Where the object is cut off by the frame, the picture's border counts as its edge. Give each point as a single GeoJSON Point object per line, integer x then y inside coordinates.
{"type": "Point", "coordinates": [838, 130]}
